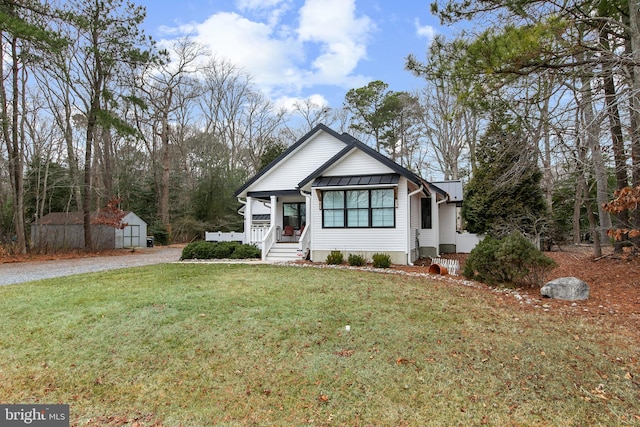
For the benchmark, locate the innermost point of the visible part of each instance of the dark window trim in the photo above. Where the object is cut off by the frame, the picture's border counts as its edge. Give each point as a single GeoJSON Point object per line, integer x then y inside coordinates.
{"type": "Point", "coordinates": [369, 209]}
{"type": "Point", "coordinates": [301, 218]}
{"type": "Point", "coordinates": [426, 214]}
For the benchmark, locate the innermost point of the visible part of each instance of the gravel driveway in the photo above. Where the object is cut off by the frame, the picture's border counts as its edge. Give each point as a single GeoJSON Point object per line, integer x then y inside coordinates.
{"type": "Point", "coordinates": [20, 272]}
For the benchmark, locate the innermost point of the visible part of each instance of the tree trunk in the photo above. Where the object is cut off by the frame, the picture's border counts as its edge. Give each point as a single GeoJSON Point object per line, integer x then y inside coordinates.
{"type": "Point", "coordinates": [164, 184]}
{"type": "Point", "coordinates": [617, 143]}
{"type": "Point", "coordinates": [92, 126]}
{"type": "Point", "coordinates": [107, 161]}
{"type": "Point", "coordinates": [592, 127]}
{"type": "Point", "coordinates": [15, 149]}
{"type": "Point", "coordinates": [597, 246]}
{"type": "Point", "coordinates": [72, 159]}
{"type": "Point", "coordinates": [580, 193]}
{"type": "Point", "coordinates": [634, 100]}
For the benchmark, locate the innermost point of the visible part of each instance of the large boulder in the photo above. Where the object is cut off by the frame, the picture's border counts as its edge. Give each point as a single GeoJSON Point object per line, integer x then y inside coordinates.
{"type": "Point", "coordinates": [566, 288]}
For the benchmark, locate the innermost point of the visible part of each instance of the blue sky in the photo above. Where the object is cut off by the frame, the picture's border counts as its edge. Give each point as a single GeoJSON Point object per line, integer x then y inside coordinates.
{"type": "Point", "coordinates": [304, 48]}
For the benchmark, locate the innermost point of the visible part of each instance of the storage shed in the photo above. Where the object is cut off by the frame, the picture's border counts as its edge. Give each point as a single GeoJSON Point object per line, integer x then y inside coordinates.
{"type": "Point", "coordinates": [65, 230]}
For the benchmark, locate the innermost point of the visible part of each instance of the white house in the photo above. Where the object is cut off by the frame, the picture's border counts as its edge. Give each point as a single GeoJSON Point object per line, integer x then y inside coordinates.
{"type": "Point", "coordinates": [330, 191]}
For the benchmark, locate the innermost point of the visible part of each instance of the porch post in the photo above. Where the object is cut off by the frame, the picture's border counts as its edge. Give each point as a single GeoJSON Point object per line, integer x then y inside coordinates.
{"type": "Point", "coordinates": [248, 221]}
{"type": "Point", "coordinates": [307, 210]}
{"type": "Point", "coordinates": [274, 210]}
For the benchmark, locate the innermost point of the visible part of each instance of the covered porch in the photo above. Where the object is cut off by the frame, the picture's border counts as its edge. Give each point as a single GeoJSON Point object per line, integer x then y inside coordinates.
{"type": "Point", "coordinates": [286, 229]}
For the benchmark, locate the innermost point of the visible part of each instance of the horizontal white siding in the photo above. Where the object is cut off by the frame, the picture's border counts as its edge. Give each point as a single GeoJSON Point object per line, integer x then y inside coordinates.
{"type": "Point", "coordinates": [428, 238]}
{"type": "Point", "coordinates": [357, 163]}
{"type": "Point", "coordinates": [310, 156]}
{"type": "Point", "coordinates": [362, 239]}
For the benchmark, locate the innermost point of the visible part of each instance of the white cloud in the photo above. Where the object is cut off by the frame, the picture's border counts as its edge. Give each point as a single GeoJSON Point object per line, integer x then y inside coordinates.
{"type": "Point", "coordinates": [340, 36]}
{"type": "Point", "coordinates": [271, 10]}
{"type": "Point", "coordinates": [258, 4]}
{"type": "Point", "coordinates": [289, 103]}
{"type": "Point", "coordinates": [252, 46]}
{"type": "Point", "coordinates": [324, 46]}
{"type": "Point", "coordinates": [424, 30]}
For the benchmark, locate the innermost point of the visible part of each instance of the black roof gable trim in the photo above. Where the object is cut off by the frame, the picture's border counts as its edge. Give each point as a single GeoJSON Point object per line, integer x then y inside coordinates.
{"type": "Point", "coordinates": [308, 135]}
{"type": "Point", "coordinates": [353, 143]}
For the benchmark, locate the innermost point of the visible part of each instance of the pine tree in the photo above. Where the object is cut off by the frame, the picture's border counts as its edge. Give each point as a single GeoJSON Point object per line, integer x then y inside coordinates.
{"type": "Point", "coordinates": [504, 194]}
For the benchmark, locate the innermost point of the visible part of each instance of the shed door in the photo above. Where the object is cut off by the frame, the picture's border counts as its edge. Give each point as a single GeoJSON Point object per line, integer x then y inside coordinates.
{"type": "Point", "coordinates": [132, 236]}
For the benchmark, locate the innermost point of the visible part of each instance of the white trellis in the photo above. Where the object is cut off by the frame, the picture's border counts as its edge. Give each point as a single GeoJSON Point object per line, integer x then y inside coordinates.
{"type": "Point", "coordinates": [452, 265]}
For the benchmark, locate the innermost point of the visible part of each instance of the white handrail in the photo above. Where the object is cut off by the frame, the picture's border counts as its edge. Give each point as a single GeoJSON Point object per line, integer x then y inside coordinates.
{"type": "Point", "coordinates": [303, 244]}
{"type": "Point", "coordinates": [268, 241]}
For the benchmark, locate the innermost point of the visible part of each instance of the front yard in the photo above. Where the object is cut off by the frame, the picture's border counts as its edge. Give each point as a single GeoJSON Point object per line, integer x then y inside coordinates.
{"type": "Point", "coordinates": [217, 344]}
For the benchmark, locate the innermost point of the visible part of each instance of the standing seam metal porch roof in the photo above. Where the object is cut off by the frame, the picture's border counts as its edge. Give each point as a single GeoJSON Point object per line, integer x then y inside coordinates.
{"type": "Point", "coordinates": [350, 181]}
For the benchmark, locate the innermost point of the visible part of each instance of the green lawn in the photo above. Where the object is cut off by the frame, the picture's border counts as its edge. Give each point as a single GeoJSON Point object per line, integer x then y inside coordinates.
{"type": "Point", "coordinates": [215, 344]}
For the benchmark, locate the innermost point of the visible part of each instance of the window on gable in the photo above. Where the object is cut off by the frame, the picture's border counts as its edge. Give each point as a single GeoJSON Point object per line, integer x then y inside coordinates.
{"type": "Point", "coordinates": [359, 208]}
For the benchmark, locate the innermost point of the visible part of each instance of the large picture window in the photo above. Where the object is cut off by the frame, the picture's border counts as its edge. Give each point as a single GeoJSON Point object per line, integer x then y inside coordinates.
{"type": "Point", "coordinates": [359, 208]}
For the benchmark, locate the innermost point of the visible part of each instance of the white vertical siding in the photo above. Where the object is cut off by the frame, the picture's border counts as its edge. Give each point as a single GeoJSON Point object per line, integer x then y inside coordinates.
{"type": "Point", "coordinates": [310, 156]}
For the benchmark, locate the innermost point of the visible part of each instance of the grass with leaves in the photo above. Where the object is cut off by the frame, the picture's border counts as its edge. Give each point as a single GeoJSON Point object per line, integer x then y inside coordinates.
{"type": "Point", "coordinates": [218, 344]}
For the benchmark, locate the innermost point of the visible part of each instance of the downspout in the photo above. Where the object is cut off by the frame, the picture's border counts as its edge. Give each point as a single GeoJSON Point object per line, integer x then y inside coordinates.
{"type": "Point", "coordinates": [242, 202]}
{"type": "Point", "coordinates": [413, 193]}
{"type": "Point", "coordinates": [305, 251]}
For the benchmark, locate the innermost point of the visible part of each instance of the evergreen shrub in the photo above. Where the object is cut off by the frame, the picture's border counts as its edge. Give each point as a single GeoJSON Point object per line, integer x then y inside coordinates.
{"type": "Point", "coordinates": [510, 260]}
{"type": "Point", "coordinates": [219, 250]}
{"type": "Point", "coordinates": [381, 260]}
{"type": "Point", "coordinates": [356, 260]}
{"type": "Point", "coordinates": [335, 258]}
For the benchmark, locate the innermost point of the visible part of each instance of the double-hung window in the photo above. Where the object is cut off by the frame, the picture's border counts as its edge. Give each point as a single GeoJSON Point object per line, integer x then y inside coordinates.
{"type": "Point", "coordinates": [371, 208]}
{"type": "Point", "coordinates": [333, 209]}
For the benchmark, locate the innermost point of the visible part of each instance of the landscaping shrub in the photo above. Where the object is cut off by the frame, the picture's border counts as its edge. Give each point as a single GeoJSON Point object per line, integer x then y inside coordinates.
{"type": "Point", "coordinates": [246, 251]}
{"type": "Point", "coordinates": [381, 260]}
{"type": "Point", "coordinates": [510, 260]}
{"type": "Point", "coordinates": [219, 250]}
{"type": "Point", "coordinates": [224, 250]}
{"type": "Point", "coordinates": [335, 257]}
{"type": "Point", "coordinates": [356, 260]}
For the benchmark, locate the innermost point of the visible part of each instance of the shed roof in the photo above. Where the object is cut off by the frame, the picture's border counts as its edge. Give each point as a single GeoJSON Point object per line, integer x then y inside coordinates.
{"type": "Point", "coordinates": [67, 218]}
